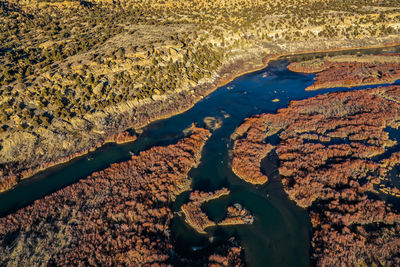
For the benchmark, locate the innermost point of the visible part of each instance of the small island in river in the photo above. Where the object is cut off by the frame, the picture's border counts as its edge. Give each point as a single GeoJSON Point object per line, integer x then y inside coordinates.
{"type": "Point", "coordinates": [198, 219]}
{"type": "Point", "coordinates": [237, 215]}
{"type": "Point", "coordinates": [194, 215]}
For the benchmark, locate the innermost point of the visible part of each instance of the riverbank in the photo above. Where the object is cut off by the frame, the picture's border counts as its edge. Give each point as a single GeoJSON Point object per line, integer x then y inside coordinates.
{"type": "Point", "coordinates": [119, 139]}
{"type": "Point", "coordinates": [138, 115]}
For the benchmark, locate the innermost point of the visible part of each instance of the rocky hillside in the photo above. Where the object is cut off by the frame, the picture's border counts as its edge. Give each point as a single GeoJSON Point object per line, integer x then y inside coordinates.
{"type": "Point", "coordinates": [73, 73]}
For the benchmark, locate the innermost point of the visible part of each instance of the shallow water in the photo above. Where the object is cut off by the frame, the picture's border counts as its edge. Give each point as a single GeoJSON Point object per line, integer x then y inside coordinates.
{"type": "Point", "coordinates": [281, 232]}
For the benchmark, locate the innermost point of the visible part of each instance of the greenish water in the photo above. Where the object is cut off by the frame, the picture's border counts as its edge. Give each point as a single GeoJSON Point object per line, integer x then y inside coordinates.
{"type": "Point", "coordinates": [281, 232]}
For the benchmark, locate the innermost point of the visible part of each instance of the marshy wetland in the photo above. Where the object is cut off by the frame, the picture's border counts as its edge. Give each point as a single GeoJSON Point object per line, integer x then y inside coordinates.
{"type": "Point", "coordinates": [281, 232]}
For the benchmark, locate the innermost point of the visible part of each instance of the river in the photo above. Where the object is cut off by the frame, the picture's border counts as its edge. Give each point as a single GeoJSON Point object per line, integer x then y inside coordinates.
{"type": "Point", "coordinates": [281, 232]}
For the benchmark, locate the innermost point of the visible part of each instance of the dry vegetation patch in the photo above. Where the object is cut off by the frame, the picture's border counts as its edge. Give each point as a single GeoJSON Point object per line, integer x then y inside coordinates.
{"type": "Point", "coordinates": [336, 160]}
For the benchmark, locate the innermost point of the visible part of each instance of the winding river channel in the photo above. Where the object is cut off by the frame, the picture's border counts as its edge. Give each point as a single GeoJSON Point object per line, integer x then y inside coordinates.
{"type": "Point", "coordinates": [281, 232]}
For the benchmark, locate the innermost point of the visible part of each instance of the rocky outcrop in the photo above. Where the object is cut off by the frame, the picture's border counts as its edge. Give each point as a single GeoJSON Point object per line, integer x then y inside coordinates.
{"type": "Point", "coordinates": [212, 123]}
{"type": "Point", "coordinates": [334, 156]}
{"type": "Point", "coordinates": [117, 216]}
